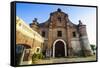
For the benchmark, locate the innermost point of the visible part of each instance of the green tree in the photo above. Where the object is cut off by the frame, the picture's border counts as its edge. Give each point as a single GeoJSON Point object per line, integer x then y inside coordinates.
{"type": "Point", "coordinates": [93, 47]}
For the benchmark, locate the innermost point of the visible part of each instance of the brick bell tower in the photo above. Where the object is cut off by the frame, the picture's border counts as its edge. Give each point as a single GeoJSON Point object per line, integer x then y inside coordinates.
{"type": "Point", "coordinates": [87, 51]}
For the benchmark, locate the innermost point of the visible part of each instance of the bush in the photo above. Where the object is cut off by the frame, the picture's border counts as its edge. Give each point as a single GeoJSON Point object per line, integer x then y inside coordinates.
{"type": "Point", "coordinates": [37, 56]}
{"type": "Point", "coordinates": [34, 57]}
{"type": "Point", "coordinates": [40, 56]}
{"type": "Point", "coordinates": [93, 47]}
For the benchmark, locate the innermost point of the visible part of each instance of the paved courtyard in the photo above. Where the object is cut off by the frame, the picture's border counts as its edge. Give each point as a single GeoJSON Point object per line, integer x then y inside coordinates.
{"type": "Point", "coordinates": [61, 60]}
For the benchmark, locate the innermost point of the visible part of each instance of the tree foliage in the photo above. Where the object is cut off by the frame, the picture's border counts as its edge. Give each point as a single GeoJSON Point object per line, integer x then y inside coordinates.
{"type": "Point", "coordinates": [93, 47]}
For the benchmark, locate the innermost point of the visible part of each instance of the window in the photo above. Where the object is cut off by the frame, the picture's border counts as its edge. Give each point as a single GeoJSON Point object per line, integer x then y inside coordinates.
{"type": "Point", "coordinates": [19, 48]}
{"type": "Point", "coordinates": [37, 50]}
{"type": "Point", "coordinates": [74, 34]}
{"type": "Point", "coordinates": [43, 33]}
{"type": "Point", "coordinates": [59, 33]}
{"type": "Point", "coordinates": [59, 19]}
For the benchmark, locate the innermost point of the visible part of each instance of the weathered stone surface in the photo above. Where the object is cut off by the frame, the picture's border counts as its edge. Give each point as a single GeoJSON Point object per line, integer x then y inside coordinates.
{"type": "Point", "coordinates": [71, 34]}
{"type": "Point", "coordinates": [29, 39]}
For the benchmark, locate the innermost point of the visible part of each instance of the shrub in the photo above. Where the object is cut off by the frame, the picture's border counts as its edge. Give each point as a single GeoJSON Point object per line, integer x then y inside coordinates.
{"type": "Point", "coordinates": [93, 47]}
{"type": "Point", "coordinates": [37, 56]}
{"type": "Point", "coordinates": [40, 56]}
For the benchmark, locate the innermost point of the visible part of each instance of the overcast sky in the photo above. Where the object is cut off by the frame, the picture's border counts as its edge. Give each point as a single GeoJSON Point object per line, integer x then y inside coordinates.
{"type": "Point", "coordinates": [87, 15]}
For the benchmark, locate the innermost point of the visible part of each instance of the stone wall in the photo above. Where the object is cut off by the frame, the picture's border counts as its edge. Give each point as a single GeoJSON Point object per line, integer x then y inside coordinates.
{"type": "Point", "coordinates": [22, 39]}
{"type": "Point", "coordinates": [75, 43]}
{"type": "Point", "coordinates": [29, 38]}
{"type": "Point", "coordinates": [86, 46]}
{"type": "Point", "coordinates": [59, 21]}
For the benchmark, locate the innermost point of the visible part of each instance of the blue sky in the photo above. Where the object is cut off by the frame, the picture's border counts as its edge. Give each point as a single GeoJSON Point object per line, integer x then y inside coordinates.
{"type": "Point", "coordinates": [87, 15]}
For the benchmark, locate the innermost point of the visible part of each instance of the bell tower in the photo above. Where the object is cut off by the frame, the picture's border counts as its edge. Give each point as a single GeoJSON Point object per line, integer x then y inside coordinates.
{"type": "Point", "coordinates": [34, 25]}
{"type": "Point", "coordinates": [84, 39]}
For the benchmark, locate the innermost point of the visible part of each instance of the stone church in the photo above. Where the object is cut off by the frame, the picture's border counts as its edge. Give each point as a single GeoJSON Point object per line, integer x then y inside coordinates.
{"type": "Point", "coordinates": [62, 38]}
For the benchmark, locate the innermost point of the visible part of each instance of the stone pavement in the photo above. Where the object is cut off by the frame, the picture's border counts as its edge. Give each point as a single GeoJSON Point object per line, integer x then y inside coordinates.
{"type": "Point", "coordinates": [62, 60]}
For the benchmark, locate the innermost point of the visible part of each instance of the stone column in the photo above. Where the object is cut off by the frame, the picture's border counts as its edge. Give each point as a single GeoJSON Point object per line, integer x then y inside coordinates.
{"type": "Point", "coordinates": [50, 41]}
{"type": "Point", "coordinates": [69, 47]}
{"type": "Point", "coordinates": [21, 61]}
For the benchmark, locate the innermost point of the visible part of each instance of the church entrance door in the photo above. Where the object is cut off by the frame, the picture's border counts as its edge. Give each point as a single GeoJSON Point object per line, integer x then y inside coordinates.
{"type": "Point", "coordinates": [59, 49]}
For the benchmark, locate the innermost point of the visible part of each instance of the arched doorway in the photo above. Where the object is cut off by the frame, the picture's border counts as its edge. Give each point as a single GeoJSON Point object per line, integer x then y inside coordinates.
{"type": "Point", "coordinates": [59, 48]}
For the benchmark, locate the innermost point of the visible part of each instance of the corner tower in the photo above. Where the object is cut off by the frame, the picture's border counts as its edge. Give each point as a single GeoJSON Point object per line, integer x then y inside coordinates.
{"type": "Point", "coordinates": [84, 39]}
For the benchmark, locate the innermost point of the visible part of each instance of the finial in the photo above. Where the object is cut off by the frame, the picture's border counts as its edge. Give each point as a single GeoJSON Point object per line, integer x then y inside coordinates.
{"type": "Point", "coordinates": [59, 10]}
{"type": "Point", "coordinates": [35, 20]}
{"type": "Point", "coordinates": [80, 23]}
{"type": "Point", "coordinates": [51, 13]}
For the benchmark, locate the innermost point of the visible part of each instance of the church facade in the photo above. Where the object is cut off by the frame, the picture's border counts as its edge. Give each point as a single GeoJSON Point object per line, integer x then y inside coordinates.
{"type": "Point", "coordinates": [62, 38]}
